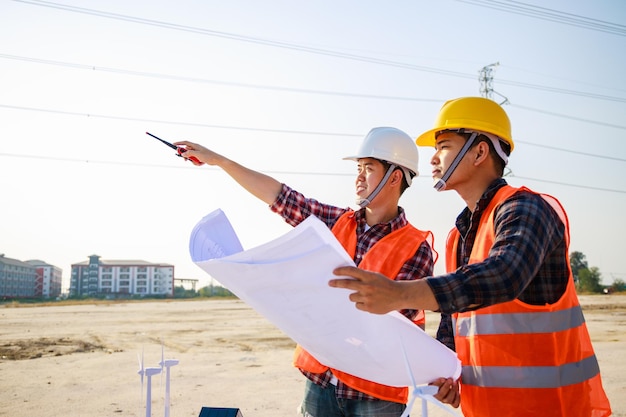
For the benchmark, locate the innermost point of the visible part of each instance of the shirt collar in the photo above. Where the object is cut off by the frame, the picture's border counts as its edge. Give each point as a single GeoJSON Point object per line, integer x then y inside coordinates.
{"type": "Point", "coordinates": [463, 220]}
{"type": "Point", "coordinates": [396, 223]}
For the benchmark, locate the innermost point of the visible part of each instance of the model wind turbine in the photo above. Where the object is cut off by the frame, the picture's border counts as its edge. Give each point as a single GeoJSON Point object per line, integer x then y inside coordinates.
{"type": "Point", "coordinates": [149, 373]}
{"type": "Point", "coordinates": [141, 371]}
{"type": "Point", "coordinates": [167, 364]}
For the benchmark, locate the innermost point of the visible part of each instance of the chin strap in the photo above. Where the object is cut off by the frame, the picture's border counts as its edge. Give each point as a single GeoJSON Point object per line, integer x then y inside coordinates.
{"type": "Point", "coordinates": [363, 202]}
{"type": "Point", "coordinates": [440, 185]}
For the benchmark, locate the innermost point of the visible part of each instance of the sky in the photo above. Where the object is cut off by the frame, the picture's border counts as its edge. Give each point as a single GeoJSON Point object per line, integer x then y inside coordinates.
{"type": "Point", "coordinates": [289, 89]}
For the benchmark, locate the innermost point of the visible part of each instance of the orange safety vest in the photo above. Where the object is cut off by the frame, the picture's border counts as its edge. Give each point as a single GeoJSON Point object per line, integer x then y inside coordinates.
{"type": "Point", "coordinates": [387, 256]}
{"type": "Point", "coordinates": [522, 360]}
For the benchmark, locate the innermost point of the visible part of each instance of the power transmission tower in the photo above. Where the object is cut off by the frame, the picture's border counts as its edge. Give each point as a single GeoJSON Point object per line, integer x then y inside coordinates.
{"type": "Point", "coordinates": [487, 91]}
{"type": "Point", "coordinates": [486, 82]}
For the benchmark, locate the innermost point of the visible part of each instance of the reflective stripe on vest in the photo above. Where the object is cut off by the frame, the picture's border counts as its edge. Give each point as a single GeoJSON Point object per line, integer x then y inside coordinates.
{"type": "Point", "coordinates": [519, 323]}
{"type": "Point", "coordinates": [520, 359]}
{"type": "Point", "coordinates": [531, 376]}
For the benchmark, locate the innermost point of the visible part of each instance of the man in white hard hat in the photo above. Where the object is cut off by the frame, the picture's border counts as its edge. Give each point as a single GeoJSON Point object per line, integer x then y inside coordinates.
{"type": "Point", "coordinates": [387, 161]}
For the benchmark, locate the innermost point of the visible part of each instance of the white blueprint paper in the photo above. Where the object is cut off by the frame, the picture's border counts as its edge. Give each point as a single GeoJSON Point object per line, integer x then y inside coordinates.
{"type": "Point", "coordinates": [286, 281]}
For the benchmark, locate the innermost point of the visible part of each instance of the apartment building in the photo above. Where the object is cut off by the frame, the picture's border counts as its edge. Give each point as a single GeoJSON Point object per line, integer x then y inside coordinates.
{"type": "Point", "coordinates": [17, 278]}
{"type": "Point", "coordinates": [48, 280]}
{"type": "Point", "coordinates": [119, 278]}
{"type": "Point", "coordinates": [29, 279]}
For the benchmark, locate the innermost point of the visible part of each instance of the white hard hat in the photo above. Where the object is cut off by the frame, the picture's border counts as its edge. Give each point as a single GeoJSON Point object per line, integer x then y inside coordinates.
{"type": "Point", "coordinates": [391, 145]}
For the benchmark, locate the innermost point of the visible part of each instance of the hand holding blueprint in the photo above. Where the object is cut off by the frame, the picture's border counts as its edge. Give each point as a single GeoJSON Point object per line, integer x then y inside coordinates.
{"type": "Point", "coordinates": [286, 281]}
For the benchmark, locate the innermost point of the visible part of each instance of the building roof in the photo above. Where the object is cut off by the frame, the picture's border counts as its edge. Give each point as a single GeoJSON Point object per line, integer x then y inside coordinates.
{"type": "Point", "coordinates": [123, 262]}
{"type": "Point", "coordinates": [37, 262]}
{"type": "Point", "coordinates": [14, 262]}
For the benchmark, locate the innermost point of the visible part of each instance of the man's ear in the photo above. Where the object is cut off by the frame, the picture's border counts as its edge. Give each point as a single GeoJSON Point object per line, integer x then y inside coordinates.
{"type": "Point", "coordinates": [396, 177]}
{"type": "Point", "coordinates": [482, 151]}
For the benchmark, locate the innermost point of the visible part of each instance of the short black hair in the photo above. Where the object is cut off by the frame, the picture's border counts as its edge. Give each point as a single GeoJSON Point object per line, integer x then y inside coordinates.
{"type": "Point", "coordinates": [500, 164]}
{"type": "Point", "coordinates": [405, 181]}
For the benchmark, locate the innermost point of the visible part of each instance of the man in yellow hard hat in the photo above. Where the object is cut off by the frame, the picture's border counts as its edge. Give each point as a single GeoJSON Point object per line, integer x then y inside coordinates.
{"type": "Point", "coordinates": [386, 163]}
{"type": "Point", "coordinates": [508, 303]}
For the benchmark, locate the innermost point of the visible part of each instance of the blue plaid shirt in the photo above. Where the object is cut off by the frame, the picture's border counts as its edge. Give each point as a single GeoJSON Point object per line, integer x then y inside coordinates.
{"type": "Point", "coordinates": [295, 208]}
{"type": "Point", "coordinates": [528, 260]}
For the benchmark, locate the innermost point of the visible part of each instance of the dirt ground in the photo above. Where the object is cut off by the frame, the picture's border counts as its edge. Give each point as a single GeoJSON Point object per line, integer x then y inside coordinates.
{"type": "Point", "coordinates": [82, 360]}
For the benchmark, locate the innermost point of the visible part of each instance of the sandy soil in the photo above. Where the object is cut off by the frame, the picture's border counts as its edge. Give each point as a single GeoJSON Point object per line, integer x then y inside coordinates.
{"type": "Point", "coordinates": [82, 360]}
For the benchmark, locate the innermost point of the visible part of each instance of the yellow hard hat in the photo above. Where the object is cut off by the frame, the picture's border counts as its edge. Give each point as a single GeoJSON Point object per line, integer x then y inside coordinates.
{"type": "Point", "coordinates": [472, 114]}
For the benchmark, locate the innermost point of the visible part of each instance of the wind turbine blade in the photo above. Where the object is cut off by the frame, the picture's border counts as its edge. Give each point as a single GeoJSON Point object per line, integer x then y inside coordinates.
{"type": "Point", "coordinates": [162, 355]}
{"type": "Point", "coordinates": [162, 362]}
{"type": "Point", "coordinates": [141, 372]}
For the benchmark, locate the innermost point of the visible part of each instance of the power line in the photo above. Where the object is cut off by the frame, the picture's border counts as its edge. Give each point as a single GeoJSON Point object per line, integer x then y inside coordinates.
{"type": "Point", "coordinates": [119, 163]}
{"type": "Point", "coordinates": [551, 15]}
{"type": "Point", "coordinates": [587, 187]}
{"type": "Point", "coordinates": [563, 91]}
{"type": "Point", "coordinates": [565, 116]}
{"type": "Point", "coordinates": [554, 148]}
{"type": "Point", "coordinates": [246, 85]}
{"type": "Point", "coordinates": [242, 38]}
{"type": "Point", "coordinates": [144, 165]}
{"type": "Point", "coordinates": [172, 122]}
{"type": "Point", "coordinates": [308, 91]}
{"type": "Point", "coordinates": [206, 81]}
{"type": "Point", "coordinates": [561, 78]}
{"type": "Point", "coordinates": [255, 129]}
{"type": "Point", "coordinates": [297, 47]}
{"type": "Point", "coordinates": [320, 92]}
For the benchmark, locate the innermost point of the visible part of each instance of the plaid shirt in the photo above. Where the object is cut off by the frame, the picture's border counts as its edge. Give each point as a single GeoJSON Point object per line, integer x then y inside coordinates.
{"type": "Point", "coordinates": [528, 259]}
{"type": "Point", "coordinates": [295, 208]}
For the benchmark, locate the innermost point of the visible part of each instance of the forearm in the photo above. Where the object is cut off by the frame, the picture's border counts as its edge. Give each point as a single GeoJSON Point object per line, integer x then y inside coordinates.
{"type": "Point", "coordinates": [260, 185]}
{"type": "Point", "coordinates": [294, 207]}
{"type": "Point", "coordinates": [375, 293]}
{"type": "Point", "coordinates": [526, 229]}
{"type": "Point", "coordinates": [256, 183]}
{"type": "Point", "coordinates": [416, 295]}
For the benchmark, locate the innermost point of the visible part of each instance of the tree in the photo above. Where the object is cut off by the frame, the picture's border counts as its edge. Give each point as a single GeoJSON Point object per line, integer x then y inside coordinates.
{"type": "Point", "coordinates": [589, 280]}
{"type": "Point", "coordinates": [578, 262]}
{"type": "Point", "coordinates": [618, 285]}
{"type": "Point", "coordinates": [214, 291]}
{"type": "Point", "coordinates": [182, 292]}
